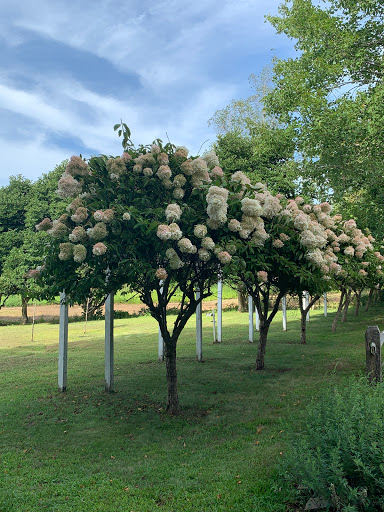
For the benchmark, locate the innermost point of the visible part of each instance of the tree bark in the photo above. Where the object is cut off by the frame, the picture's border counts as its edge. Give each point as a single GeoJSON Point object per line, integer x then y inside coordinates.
{"type": "Point", "coordinates": [358, 302]}
{"type": "Point", "coordinates": [173, 406]}
{"type": "Point", "coordinates": [339, 309]}
{"type": "Point", "coordinates": [370, 295]}
{"type": "Point", "coordinates": [346, 305]}
{"type": "Point", "coordinates": [242, 300]}
{"type": "Point", "coordinates": [262, 345]}
{"type": "Point", "coordinates": [24, 310]}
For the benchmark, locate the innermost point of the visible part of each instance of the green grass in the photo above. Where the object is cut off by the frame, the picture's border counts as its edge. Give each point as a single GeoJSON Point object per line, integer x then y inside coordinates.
{"type": "Point", "coordinates": [86, 450]}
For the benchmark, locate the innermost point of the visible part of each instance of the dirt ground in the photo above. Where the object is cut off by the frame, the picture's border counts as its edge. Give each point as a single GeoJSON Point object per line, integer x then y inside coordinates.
{"type": "Point", "coordinates": [51, 311]}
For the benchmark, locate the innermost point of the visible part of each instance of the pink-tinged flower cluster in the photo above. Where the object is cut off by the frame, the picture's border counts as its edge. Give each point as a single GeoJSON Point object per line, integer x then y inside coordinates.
{"type": "Point", "coordinates": [284, 237]}
{"type": "Point", "coordinates": [117, 166]}
{"type": "Point", "coordinates": [155, 149]}
{"type": "Point", "coordinates": [44, 225]}
{"type": "Point", "coordinates": [80, 215]}
{"type": "Point", "coordinates": [98, 232]}
{"type": "Point", "coordinates": [163, 159]}
{"type": "Point", "coordinates": [68, 186]}
{"type": "Point", "coordinates": [79, 253]}
{"type": "Point", "coordinates": [271, 204]}
{"type": "Point", "coordinates": [217, 206]}
{"type": "Point", "coordinates": [224, 257]}
{"type": "Point", "coordinates": [234, 225]}
{"type": "Point", "coordinates": [164, 172]}
{"type": "Point", "coordinates": [216, 172]}
{"type": "Point", "coordinates": [181, 152]}
{"type": "Point", "coordinates": [262, 276]}
{"type": "Point", "coordinates": [78, 235]}
{"type": "Point", "coordinates": [58, 230]}
{"type": "Point", "coordinates": [349, 251]}
{"type": "Point", "coordinates": [362, 272]}
{"type": "Point", "coordinates": [147, 171]}
{"type": "Point", "coordinates": [66, 251]}
{"type": "Point", "coordinates": [104, 215]}
{"type": "Point", "coordinates": [126, 156]}
{"type": "Point", "coordinates": [161, 274]}
{"type": "Point", "coordinates": [77, 167]}
{"type": "Point", "coordinates": [173, 212]}
{"type": "Point", "coordinates": [163, 232]}
{"type": "Point", "coordinates": [277, 243]}
{"type": "Point", "coordinates": [99, 249]}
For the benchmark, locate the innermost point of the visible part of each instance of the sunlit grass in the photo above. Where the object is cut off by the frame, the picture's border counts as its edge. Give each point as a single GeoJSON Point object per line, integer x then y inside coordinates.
{"type": "Point", "coordinates": [86, 450]}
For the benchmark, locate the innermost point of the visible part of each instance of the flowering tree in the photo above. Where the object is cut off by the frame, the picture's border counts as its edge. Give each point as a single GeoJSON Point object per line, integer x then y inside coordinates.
{"type": "Point", "coordinates": [143, 219]}
{"type": "Point", "coordinates": [283, 246]}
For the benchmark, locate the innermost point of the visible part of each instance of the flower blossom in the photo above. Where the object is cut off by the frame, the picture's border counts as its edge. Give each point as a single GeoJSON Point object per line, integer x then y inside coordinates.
{"type": "Point", "coordinates": [77, 167]}
{"type": "Point", "coordinates": [181, 152]}
{"type": "Point", "coordinates": [173, 212]}
{"type": "Point", "coordinates": [186, 246]}
{"type": "Point", "coordinates": [78, 234]}
{"type": "Point", "coordinates": [58, 229]}
{"type": "Point", "coordinates": [349, 251]}
{"type": "Point", "coordinates": [163, 232]}
{"type": "Point", "coordinates": [217, 206]}
{"type": "Point", "coordinates": [80, 215]}
{"type": "Point", "coordinates": [98, 232]}
{"type": "Point", "coordinates": [116, 166]}
{"type": "Point", "coordinates": [224, 257]}
{"type": "Point", "coordinates": [204, 255]}
{"type": "Point", "coordinates": [262, 276]}
{"type": "Point", "coordinates": [164, 172]}
{"type": "Point", "coordinates": [175, 230]}
{"type": "Point", "coordinates": [66, 251]}
{"type": "Point", "coordinates": [251, 207]}
{"type": "Point", "coordinates": [208, 243]}
{"type": "Point", "coordinates": [161, 274]}
{"type": "Point", "coordinates": [68, 186]}
{"type": "Point", "coordinates": [126, 216]}
{"type": "Point", "coordinates": [278, 244]}
{"type": "Point", "coordinates": [44, 225]}
{"type": "Point", "coordinates": [99, 249]}
{"type": "Point", "coordinates": [79, 253]}
{"type": "Point", "coordinates": [200, 230]}
{"type": "Point", "coordinates": [211, 159]}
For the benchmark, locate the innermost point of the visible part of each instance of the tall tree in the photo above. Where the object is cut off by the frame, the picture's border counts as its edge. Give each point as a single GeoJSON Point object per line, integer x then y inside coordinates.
{"type": "Point", "coordinates": [331, 94]}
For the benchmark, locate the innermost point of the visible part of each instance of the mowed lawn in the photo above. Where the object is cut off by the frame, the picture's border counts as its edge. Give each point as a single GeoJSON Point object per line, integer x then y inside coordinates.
{"type": "Point", "coordinates": [86, 450]}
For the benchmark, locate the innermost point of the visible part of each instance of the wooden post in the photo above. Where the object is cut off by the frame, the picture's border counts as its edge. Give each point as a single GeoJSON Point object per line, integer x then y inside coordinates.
{"type": "Point", "coordinates": [250, 321]}
{"type": "Point", "coordinates": [325, 304]}
{"type": "Point", "coordinates": [63, 343]}
{"type": "Point", "coordinates": [199, 328]}
{"type": "Point", "coordinates": [219, 310]}
{"type": "Point", "coordinates": [373, 342]}
{"type": "Point", "coordinates": [109, 376]}
{"type": "Point", "coordinates": [284, 313]}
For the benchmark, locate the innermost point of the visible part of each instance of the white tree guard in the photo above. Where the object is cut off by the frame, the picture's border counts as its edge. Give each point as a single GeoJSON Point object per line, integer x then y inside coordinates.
{"type": "Point", "coordinates": [161, 341]}
{"type": "Point", "coordinates": [63, 343]}
{"type": "Point", "coordinates": [109, 348]}
{"type": "Point", "coordinates": [284, 305]}
{"type": "Point", "coordinates": [199, 328]}
{"type": "Point", "coordinates": [250, 320]}
{"type": "Point", "coordinates": [219, 311]}
{"type": "Point", "coordinates": [257, 322]}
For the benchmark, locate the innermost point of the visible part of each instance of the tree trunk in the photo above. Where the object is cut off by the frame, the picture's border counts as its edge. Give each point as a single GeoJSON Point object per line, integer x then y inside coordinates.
{"type": "Point", "coordinates": [358, 302]}
{"type": "Point", "coordinates": [242, 300]}
{"type": "Point", "coordinates": [261, 347]}
{"type": "Point", "coordinates": [369, 299]}
{"type": "Point", "coordinates": [339, 309]}
{"type": "Point", "coordinates": [24, 310]}
{"type": "Point", "coordinates": [173, 397]}
{"type": "Point", "coordinates": [346, 306]}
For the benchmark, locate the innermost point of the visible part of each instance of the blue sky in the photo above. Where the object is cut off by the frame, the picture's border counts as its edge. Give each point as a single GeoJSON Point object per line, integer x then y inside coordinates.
{"type": "Point", "coordinates": [70, 70]}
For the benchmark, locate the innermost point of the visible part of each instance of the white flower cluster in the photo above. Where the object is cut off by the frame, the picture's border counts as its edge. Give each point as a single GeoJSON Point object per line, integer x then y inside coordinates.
{"type": "Point", "coordinates": [217, 206]}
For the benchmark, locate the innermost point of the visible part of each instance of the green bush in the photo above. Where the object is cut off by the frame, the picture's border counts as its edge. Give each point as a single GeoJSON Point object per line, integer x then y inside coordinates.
{"type": "Point", "coordinates": [338, 457]}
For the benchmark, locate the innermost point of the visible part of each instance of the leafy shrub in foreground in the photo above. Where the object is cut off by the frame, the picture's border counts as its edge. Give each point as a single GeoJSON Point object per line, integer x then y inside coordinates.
{"type": "Point", "coordinates": [338, 457]}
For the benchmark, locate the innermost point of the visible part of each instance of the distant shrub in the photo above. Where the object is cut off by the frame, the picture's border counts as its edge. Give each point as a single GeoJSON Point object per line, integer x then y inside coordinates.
{"type": "Point", "coordinates": [338, 458]}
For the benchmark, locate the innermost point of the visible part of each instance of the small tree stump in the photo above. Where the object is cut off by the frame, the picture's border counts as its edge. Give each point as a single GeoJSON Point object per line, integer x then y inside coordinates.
{"type": "Point", "coordinates": [373, 340]}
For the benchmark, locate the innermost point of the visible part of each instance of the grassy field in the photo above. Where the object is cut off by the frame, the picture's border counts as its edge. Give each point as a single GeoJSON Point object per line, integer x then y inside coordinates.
{"type": "Point", "coordinates": [86, 450]}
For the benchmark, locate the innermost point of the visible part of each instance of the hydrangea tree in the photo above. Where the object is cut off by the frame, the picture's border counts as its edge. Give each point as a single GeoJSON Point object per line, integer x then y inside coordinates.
{"type": "Point", "coordinates": [143, 219]}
